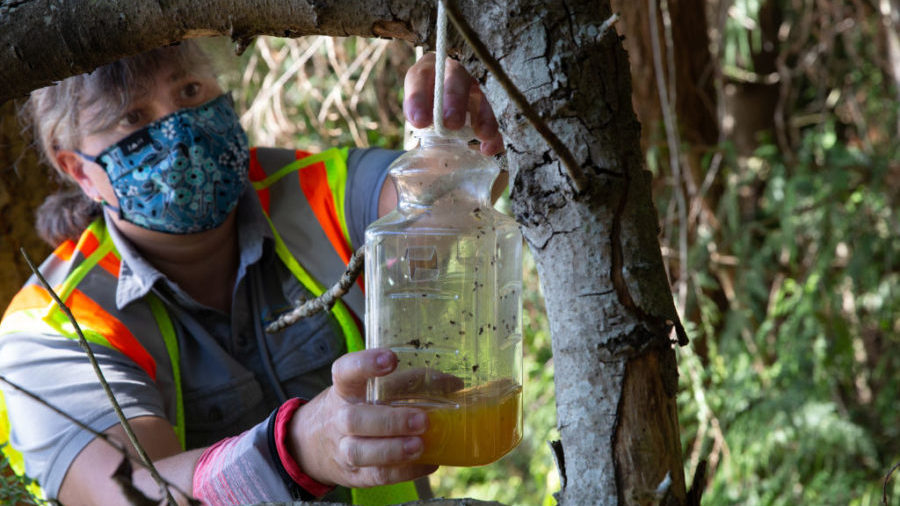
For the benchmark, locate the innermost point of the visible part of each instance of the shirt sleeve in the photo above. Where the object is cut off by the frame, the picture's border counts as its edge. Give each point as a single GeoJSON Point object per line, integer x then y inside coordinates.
{"type": "Point", "coordinates": [48, 441]}
{"type": "Point", "coordinates": [367, 170]}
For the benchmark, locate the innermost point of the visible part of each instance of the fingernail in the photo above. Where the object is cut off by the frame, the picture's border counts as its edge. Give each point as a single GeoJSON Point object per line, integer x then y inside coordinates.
{"type": "Point", "coordinates": [417, 110]}
{"type": "Point", "coordinates": [420, 117]}
{"type": "Point", "coordinates": [412, 445]}
{"type": "Point", "coordinates": [417, 422]}
{"type": "Point", "coordinates": [450, 117]}
{"type": "Point", "coordinates": [383, 361]}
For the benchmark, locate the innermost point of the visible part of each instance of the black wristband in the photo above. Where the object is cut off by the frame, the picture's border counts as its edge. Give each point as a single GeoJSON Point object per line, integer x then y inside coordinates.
{"type": "Point", "coordinates": [297, 492]}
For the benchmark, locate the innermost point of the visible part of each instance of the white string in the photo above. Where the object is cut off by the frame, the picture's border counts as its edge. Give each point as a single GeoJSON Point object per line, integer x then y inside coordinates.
{"type": "Point", "coordinates": [440, 57]}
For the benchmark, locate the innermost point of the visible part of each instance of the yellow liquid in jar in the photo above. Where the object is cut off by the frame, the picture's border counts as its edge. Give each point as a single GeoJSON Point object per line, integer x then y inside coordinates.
{"type": "Point", "coordinates": [485, 426]}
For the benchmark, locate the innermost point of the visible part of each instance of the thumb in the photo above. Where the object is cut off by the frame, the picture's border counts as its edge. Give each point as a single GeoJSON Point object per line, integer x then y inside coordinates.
{"type": "Point", "coordinates": [351, 372]}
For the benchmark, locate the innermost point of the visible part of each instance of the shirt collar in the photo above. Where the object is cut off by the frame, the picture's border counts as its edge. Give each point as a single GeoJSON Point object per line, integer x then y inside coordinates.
{"type": "Point", "coordinates": [137, 276]}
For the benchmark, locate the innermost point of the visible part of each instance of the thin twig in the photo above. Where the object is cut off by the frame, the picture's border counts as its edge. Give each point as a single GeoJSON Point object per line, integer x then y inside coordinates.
{"type": "Point", "coordinates": [58, 411]}
{"type": "Point", "coordinates": [327, 299]}
{"type": "Point", "coordinates": [887, 478]}
{"type": "Point", "coordinates": [163, 486]}
{"type": "Point", "coordinates": [478, 47]}
{"type": "Point", "coordinates": [81, 425]}
{"type": "Point", "coordinates": [666, 101]}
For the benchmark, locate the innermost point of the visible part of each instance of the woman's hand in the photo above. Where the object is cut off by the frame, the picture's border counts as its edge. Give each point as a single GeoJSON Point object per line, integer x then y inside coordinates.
{"type": "Point", "coordinates": [461, 95]}
{"type": "Point", "coordinates": [339, 439]}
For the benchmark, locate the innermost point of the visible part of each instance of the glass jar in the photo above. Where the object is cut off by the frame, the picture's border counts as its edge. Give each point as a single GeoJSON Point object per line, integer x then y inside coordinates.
{"type": "Point", "coordinates": [443, 291]}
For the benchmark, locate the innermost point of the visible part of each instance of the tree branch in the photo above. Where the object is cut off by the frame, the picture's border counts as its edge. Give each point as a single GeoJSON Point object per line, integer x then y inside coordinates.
{"type": "Point", "coordinates": [887, 478]}
{"type": "Point", "coordinates": [327, 299]}
{"type": "Point", "coordinates": [45, 41]}
{"type": "Point", "coordinates": [163, 484]}
{"type": "Point", "coordinates": [571, 165]}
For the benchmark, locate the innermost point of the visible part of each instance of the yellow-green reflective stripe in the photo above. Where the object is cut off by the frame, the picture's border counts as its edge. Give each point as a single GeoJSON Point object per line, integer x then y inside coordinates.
{"type": "Point", "coordinates": [168, 334]}
{"type": "Point", "coordinates": [105, 245]}
{"type": "Point", "coordinates": [386, 494]}
{"type": "Point", "coordinates": [351, 332]}
{"type": "Point", "coordinates": [324, 156]}
{"type": "Point", "coordinates": [61, 323]}
{"type": "Point", "coordinates": [13, 456]}
{"type": "Point", "coordinates": [24, 321]}
{"type": "Point", "coordinates": [336, 172]}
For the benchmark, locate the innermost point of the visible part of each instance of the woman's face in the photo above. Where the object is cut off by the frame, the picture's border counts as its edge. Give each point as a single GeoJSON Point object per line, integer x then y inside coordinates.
{"type": "Point", "coordinates": [172, 90]}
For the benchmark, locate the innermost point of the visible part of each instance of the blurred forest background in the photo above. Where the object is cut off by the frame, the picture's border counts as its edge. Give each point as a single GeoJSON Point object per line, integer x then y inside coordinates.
{"type": "Point", "coordinates": [771, 128]}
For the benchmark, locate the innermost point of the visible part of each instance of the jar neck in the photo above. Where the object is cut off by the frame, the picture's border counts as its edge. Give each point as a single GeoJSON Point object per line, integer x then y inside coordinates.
{"type": "Point", "coordinates": [443, 171]}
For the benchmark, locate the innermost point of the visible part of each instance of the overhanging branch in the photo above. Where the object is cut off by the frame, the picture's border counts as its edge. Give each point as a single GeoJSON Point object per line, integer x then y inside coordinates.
{"type": "Point", "coordinates": [44, 41]}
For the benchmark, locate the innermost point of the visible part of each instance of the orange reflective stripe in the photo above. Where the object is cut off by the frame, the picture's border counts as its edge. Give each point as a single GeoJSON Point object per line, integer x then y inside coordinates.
{"type": "Point", "coordinates": [257, 173]}
{"type": "Point", "coordinates": [91, 315]}
{"type": "Point", "coordinates": [88, 243]}
{"type": "Point", "coordinates": [314, 182]}
{"type": "Point", "coordinates": [64, 251]}
{"type": "Point", "coordinates": [29, 297]}
{"type": "Point", "coordinates": [299, 154]}
{"type": "Point", "coordinates": [110, 263]}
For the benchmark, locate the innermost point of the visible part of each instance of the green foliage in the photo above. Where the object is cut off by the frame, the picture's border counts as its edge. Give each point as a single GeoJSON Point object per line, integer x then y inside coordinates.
{"type": "Point", "coordinates": [14, 489]}
{"type": "Point", "coordinates": [791, 384]}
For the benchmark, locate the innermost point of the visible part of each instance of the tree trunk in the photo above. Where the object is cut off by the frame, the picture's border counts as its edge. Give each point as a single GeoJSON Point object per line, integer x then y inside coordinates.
{"type": "Point", "coordinates": [610, 307]}
{"type": "Point", "coordinates": [684, 45]}
{"type": "Point", "coordinates": [608, 301]}
{"type": "Point", "coordinates": [695, 101]}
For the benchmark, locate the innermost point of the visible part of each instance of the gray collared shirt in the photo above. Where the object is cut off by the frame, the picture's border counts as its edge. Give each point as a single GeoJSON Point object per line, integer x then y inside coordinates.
{"type": "Point", "coordinates": [233, 373]}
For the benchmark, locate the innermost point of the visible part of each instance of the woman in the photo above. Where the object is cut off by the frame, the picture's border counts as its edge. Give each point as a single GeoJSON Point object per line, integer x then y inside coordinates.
{"type": "Point", "coordinates": [199, 243]}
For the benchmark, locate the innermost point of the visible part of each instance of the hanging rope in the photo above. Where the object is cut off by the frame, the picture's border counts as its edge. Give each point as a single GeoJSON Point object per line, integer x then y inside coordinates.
{"type": "Point", "coordinates": [439, 62]}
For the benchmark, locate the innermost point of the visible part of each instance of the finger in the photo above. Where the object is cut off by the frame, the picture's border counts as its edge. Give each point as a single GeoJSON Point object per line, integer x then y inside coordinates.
{"type": "Point", "coordinates": [365, 452]}
{"type": "Point", "coordinates": [492, 146]}
{"type": "Point", "coordinates": [380, 421]}
{"type": "Point", "coordinates": [483, 121]}
{"type": "Point", "coordinates": [372, 476]}
{"type": "Point", "coordinates": [485, 125]}
{"type": "Point", "coordinates": [351, 372]}
{"type": "Point", "coordinates": [418, 88]}
{"type": "Point", "coordinates": [457, 86]}
{"type": "Point", "coordinates": [420, 381]}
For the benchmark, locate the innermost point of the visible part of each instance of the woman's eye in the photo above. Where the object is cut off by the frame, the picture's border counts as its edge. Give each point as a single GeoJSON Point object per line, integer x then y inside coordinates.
{"type": "Point", "coordinates": [131, 118]}
{"type": "Point", "coordinates": [191, 90]}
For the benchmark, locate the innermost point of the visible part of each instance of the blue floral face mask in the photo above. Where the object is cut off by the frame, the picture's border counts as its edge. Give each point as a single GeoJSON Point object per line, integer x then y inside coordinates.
{"type": "Point", "coordinates": [180, 174]}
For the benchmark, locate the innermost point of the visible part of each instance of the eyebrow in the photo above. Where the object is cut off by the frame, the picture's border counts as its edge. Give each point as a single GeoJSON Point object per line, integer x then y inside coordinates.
{"type": "Point", "coordinates": [178, 74]}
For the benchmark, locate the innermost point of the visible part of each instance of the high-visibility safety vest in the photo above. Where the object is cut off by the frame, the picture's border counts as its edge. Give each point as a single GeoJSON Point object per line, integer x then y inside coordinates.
{"type": "Point", "coordinates": [84, 275]}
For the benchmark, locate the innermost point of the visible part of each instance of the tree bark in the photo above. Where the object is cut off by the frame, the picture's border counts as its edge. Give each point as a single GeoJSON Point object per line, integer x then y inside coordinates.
{"type": "Point", "coordinates": [610, 307]}
{"type": "Point", "coordinates": [48, 40]}
{"type": "Point", "coordinates": [609, 303]}
{"type": "Point", "coordinates": [695, 104]}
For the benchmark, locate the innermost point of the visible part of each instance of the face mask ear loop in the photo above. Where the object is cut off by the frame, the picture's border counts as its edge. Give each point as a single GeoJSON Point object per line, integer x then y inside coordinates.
{"type": "Point", "coordinates": [107, 205]}
{"type": "Point", "coordinates": [92, 159]}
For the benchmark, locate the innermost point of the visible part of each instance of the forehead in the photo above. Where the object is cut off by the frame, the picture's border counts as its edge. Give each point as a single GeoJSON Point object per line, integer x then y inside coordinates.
{"type": "Point", "coordinates": [105, 104]}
